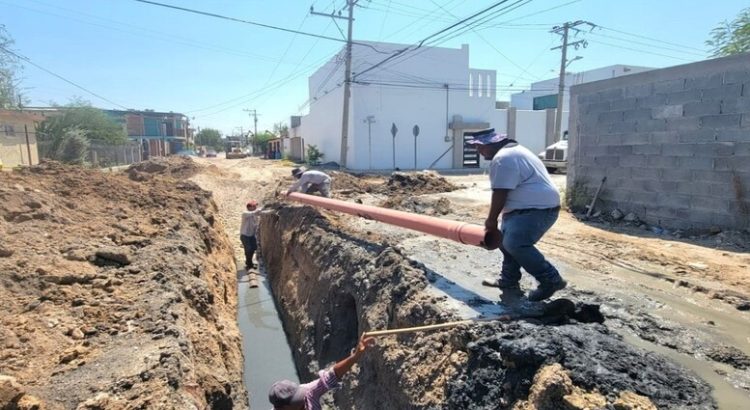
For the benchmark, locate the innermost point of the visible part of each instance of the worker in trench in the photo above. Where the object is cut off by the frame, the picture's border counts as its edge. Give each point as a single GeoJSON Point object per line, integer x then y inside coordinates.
{"type": "Point", "coordinates": [310, 182]}
{"type": "Point", "coordinates": [523, 193]}
{"type": "Point", "coordinates": [248, 228]}
{"type": "Point", "coordinates": [288, 395]}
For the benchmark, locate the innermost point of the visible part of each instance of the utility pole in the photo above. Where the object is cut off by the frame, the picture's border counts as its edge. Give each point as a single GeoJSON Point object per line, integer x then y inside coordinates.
{"type": "Point", "coordinates": [347, 75]}
{"type": "Point", "coordinates": [564, 30]}
{"type": "Point", "coordinates": [254, 114]}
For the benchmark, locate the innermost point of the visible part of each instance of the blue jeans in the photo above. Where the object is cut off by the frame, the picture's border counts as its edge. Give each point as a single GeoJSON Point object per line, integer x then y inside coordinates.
{"type": "Point", "coordinates": [521, 230]}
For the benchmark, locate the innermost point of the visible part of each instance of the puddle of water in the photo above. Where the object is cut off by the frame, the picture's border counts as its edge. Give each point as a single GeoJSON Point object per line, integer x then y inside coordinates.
{"type": "Point", "coordinates": [727, 396]}
{"type": "Point", "coordinates": [268, 356]}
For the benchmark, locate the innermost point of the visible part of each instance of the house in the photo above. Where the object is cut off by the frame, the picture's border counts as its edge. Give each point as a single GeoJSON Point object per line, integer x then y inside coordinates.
{"type": "Point", "coordinates": [410, 112]}
{"type": "Point", "coordinates": [542, 95]}
{"type": "Point", "coordinates": [159, 133]}
{"type": "Point", "coordinates": [18, 144]}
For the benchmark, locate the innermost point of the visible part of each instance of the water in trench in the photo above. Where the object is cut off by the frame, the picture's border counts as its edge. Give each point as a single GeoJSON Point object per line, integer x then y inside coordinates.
{"type": "Point", "coordinates": [268, 356]}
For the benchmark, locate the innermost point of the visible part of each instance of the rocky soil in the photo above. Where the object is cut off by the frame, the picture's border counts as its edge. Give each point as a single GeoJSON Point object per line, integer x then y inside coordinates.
{"type": "Point", "coordinates": [118, 292]}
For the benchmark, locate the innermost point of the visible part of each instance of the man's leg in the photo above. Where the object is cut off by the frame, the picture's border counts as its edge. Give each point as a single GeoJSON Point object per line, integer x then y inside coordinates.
{"type": "Point", "coordinates": [253, 246]}
{"type": "Point", "coordinates": [246, 246]}
{"type": "Point", "coordinates": [522, 230]}
{"type": "Point", "coordinates": [510, 273]}
{"type": "Point", "coordinates": [313, 188]}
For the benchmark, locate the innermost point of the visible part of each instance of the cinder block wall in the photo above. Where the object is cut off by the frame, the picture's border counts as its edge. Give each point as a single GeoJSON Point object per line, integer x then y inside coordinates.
{"type": "Point", "coordinates": [674, 143]}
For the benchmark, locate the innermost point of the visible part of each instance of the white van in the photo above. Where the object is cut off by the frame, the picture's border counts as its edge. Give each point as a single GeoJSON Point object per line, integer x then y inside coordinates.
{"type": "Point", "coordinates": [555, 157]}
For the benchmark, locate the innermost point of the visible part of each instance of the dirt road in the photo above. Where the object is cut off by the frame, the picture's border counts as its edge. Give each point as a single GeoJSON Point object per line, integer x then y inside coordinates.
{"type": "Point", "coordinates": [685, 299]}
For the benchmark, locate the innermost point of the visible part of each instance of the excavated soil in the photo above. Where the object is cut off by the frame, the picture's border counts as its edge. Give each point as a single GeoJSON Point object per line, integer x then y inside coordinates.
{"type": "Point", "coordinates": [398, 183]}
{"type": "Point", "coordinates": [330, 287]}
{"type": "Point", "coordinates": [116, 294]}
{"type": "Point", "coordinates": [176, 167]}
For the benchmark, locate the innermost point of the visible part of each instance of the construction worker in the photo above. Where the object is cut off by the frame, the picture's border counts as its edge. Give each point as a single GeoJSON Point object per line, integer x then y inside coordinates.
{"type": "Point", "coordinates": [247, 232]}
{"type": "Point", "coordinates": [523, 193]}
{"type": "Point", "coordinates": [311, 181]}
{"type": "Point", "coordinates": [288, 395]}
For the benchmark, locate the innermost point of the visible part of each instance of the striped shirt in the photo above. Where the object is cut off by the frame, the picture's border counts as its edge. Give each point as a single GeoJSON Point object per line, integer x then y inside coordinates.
{"type": "Point", "coordinates": [314, 390]}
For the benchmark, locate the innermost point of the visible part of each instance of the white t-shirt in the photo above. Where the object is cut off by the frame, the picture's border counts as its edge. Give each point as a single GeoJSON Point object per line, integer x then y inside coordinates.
{"type": "Point", "coordinates": [519, 170]}
{"type": "Point", "coordinates": [310, 178]}
{"type": "Point", "coordinates": [249, 223]}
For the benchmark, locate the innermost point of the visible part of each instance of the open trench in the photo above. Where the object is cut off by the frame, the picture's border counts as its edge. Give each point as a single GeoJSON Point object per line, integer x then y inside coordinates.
{"type": "Point", "coordinates": [330, 285]}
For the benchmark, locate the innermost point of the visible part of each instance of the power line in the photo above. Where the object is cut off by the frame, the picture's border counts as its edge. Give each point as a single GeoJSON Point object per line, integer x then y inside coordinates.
{"type": "Point", "coordinates": [253, 23]}
{"type": "Point", "coordinates": [648, 45]}
{"type": "Point", "coordinates": [652, 39]}
{"type": "Point", "coordinates": [28, 60]}
{"type": "Point", "coordinates": [418, 45]}
{"type": "Point", "coordinates": [535, 13]}
{"type": "Point", "coordinates": [639, 51]}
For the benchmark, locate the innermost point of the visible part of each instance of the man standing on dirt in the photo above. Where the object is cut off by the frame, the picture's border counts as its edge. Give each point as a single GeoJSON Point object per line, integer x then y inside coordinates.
{"type": "Point", "coordinates": [529, 202]}
{"type": "Point", "coordinates": [247, 232]}
{"type": "Point", "coordinates": [310, 182]}
{"type": "Point", "coordinates": [288, 395]}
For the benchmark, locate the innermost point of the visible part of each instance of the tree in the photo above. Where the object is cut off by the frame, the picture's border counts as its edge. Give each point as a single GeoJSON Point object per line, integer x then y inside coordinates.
{"type": "Point", "coordinates": [210, 137]}
{"type": "Point", "coordinates": [9, 69]}
{"type": "Point", "coordinates": [91, 122]}
{"type": "Point", "coordinates": [731, 38]}
{"type": "Point", "coordinates": [260, 141]}
{"type": "Point", "coordinates": [281, 130]}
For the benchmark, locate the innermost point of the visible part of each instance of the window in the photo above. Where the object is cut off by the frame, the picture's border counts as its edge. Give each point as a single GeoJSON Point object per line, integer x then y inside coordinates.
{"type": "Point", "coordinates": [471, 85]}
{"type": "Point", "coordinates": [9, 130]}
{"type": "Point", "coordinates": [545, 101]}
{"type": "Point", "coordinates": [479, 85]}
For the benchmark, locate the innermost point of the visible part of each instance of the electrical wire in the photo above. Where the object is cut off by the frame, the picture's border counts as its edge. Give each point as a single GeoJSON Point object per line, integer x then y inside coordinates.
{"type": "Point", "coordinates": [637, 50]}
{"type": "Point", "coordinates": [648, 45]}
{"type": "Point", "coordinates": [651, 38]}
{"type": "Point", "coordinates": [80, 87]}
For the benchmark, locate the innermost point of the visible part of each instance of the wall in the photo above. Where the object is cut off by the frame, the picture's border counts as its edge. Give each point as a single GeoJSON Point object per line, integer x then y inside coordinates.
{"type": "Point", "coordinates": [14, 150]}
{"type": "Point", "coordinates": [673, 143]}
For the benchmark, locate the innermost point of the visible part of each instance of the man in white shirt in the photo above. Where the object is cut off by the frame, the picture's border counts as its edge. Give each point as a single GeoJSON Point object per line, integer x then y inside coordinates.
{"type": "Point", "coordinates": [247, 232]}
{"type": "Point", "coordinates": [311, 181]}
{"type": "Point", "coordinates": [523, 193]}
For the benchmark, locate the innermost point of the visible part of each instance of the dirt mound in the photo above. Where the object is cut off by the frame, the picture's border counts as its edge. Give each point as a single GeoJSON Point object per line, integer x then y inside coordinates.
{"type": "Point", "coordinates": [441, 206]}
{"type": "Point", "coordinates": [116, 293]}
{"type": "Point", "coordinates": [418, 183]}
{"type": "Point", "coordinates": [330, 287]}
{"type": "Point", "coordinates": [505, 357]}
{"type": "Point", "coordinates": [178, 167]}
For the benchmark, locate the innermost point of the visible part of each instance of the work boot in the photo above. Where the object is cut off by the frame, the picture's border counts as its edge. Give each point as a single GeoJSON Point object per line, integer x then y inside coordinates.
{"type": "Point", "coordinates": [546, 290]}
{"type": "Point", "coordinates": [502, 284]}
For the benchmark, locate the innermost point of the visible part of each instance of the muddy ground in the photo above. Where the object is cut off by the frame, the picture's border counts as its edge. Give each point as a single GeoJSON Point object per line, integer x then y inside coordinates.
{"type": "Point", "coordinates": [118, 292]}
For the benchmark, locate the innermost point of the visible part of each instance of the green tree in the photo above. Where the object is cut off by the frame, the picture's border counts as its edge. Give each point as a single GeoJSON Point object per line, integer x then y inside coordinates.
{"type": "Point", "coordinates": [731, 38]}
{"type": "Point", "coordinates": [260, 141]}
{"type": "Point", "coordinates": [210, 137]}
{"type": "Point", "coordinates": [79, 115]}
{"type": "Point", "coordinates": [281, 130]}
{"type": "Point", "coordinates": [9, 69]}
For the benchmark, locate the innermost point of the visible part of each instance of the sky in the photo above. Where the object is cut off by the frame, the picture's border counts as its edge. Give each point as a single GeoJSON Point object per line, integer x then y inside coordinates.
{"type": "Point", "coordinates": [142, 56]}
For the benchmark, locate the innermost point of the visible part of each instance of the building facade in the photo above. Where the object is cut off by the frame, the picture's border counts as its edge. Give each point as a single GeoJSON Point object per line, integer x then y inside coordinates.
{"type": "Point", "coordinates": [159, 133]}
{"type": "Point", "coordinates": [18, 144]}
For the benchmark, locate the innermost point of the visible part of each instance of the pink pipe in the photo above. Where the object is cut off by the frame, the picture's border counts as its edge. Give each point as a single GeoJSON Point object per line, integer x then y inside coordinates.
{"type": "Point", "coordinates": [458, 231]}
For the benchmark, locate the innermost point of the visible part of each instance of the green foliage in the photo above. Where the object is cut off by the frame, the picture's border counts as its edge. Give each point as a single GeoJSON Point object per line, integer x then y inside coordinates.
{"type": "Point", "coordinates": [93, 123]}
{"type": "Point", "coordinates": [314, 155]}
{"type": "Point", "coordinates": [281, 130]}
{"type": "Point", "coordinates": [731, 38]}
{"type": "Point", "coordinates": [211, 138]}
{"type": "Point", "coordinates": [70, 147]}
{"type": "Point", "coordinates": [260, 141]}
{"type": "Point", "coordinates": [9, 70]}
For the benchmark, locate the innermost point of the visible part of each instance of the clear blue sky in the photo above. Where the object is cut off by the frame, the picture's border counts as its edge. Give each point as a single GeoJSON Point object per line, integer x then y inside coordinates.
{"type": "Point", "coordinates": [142, 56]}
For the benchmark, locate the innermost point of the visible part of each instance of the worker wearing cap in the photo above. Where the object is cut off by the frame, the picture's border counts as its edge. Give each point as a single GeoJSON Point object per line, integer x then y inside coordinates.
{"type": "Point", "coordinates": [247, 232]}
{"type": "Point", "coordinates": [288, 395]}
{"type": "Point", "coordinates": [310, 182]}
{"type": "Point", "coordinates": [523, 193]}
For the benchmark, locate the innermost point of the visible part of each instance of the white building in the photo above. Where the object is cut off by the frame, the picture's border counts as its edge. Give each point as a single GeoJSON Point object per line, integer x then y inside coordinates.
{"type": "Point", "coordinates": [432, 88]}
{"type": "Point", "coordinates": [543, 94]}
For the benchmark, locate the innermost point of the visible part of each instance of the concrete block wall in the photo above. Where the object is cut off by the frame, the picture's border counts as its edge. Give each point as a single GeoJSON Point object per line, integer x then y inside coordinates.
{"type": "Point", "coordinates": [673, 143]}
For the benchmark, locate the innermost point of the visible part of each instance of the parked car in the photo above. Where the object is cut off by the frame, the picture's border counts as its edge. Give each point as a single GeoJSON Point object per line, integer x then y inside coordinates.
{"type": "Point", "coordinates": [555, 157]}
{"type": "Point", "coordinates": [211, 153]}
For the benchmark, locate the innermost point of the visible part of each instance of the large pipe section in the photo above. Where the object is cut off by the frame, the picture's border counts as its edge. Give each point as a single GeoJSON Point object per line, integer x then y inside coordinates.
{"type": "Point", "coordinates": [458, 231]}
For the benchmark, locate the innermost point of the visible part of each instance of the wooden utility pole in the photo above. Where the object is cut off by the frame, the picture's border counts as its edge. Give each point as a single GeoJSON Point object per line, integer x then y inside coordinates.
{"type": "Point", "coordinates": [564, 30]}
{"type": "Point", "coordinates": [347, 76]}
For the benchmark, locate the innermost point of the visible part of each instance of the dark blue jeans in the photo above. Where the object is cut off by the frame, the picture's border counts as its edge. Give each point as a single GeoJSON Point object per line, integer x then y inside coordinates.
{"type": "Point", "coordinates": [250, 244]}
{"type": "Point", "coordinates": [521, 230]}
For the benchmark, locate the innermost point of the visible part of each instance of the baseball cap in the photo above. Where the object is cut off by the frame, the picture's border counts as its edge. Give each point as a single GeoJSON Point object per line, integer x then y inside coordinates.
{"type": "Point", "coordinates": [286, 392]}
{"type": "Point", "coordinates": [484, 137]}
{"type": "Point", "coordinates": [297, 171]}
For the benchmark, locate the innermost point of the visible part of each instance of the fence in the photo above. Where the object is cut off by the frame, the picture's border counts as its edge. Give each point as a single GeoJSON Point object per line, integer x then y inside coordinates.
{"type": "Point", "coordinates": [100, 155]}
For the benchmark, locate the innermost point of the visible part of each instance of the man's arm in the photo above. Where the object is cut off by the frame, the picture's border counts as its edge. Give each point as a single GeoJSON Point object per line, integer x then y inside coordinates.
{"type": "Point", "coordinates": [345, 365]}
{"type": "Point", "coordinates": [499, 197]}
